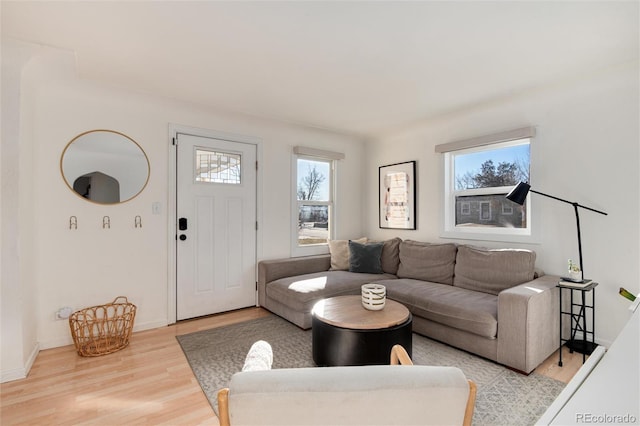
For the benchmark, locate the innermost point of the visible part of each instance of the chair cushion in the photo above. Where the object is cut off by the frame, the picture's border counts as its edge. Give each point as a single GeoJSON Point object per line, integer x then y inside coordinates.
{"type": "Point", "coordinates": [492, 271]}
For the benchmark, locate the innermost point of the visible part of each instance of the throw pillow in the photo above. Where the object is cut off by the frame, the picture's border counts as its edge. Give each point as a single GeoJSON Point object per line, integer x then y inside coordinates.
{"type": "Point", "coordinates": [365, 258]}
{"type": "Point", "coordinates": [339, 250]}
{"type": "Point", "coordinates": [259, 357]}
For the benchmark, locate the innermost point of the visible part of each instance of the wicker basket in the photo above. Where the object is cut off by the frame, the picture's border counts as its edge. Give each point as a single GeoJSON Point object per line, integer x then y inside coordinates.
{"type": "Point", "coordinates": [103, 329]}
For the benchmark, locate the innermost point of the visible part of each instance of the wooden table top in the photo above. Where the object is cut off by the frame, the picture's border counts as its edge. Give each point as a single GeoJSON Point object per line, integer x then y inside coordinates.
{"type": "Point", "coordinates": [348, 312]}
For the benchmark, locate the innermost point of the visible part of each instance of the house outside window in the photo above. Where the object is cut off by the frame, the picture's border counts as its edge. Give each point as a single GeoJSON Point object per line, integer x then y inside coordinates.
{"type": "Point", "coordinates": [477, 179]}
{"type": "Point", "coordinates": [314, 191]}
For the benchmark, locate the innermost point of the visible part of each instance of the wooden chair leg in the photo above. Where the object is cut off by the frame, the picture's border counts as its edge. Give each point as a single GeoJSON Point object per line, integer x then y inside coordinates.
{"type": "Point", "coordinates": [471, 403]}
{"type": "Point", "coordinates": [400, 356]}
{"type": "Point", "coordinates": [223, 407]}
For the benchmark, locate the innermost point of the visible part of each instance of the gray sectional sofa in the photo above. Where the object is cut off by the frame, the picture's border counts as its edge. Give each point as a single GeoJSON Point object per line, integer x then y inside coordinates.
{"type": "Point", "coordinates": [492, 303]}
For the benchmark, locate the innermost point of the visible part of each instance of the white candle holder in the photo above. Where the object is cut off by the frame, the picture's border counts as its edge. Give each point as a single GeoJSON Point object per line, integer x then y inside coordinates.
{"type": "Point", "coordinates": [374, 296]}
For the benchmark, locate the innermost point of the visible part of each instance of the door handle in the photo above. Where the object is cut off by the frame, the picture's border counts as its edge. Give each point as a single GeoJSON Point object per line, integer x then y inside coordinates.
{"type": "Point", "coordinates": [182, 224]}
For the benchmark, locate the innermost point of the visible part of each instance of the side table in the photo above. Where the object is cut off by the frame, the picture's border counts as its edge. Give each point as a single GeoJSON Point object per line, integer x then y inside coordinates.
{"type": "Point", "coordinates": [577, 313]}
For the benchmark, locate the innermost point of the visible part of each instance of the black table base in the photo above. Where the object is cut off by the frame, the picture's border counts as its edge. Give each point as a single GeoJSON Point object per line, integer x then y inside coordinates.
{"type": "Point", "coordinates": [334, 346]}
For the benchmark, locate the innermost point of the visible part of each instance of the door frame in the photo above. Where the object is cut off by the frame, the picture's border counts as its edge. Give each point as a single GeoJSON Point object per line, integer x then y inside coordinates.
{"type": "Point", "coordinates": [172, 205]}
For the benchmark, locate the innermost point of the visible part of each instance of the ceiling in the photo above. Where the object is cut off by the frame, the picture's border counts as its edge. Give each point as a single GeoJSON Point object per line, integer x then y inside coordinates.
{"type": "Point", "coordinates": [362, 68]}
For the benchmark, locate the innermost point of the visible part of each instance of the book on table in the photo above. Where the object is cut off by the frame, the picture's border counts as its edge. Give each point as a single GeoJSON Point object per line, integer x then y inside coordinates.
{"type": "Point", "coordinates": [565, 282]}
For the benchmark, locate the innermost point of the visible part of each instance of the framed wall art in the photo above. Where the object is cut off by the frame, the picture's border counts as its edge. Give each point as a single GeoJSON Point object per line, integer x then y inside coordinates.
{"type": "Point", "coordinates": [397, 189]}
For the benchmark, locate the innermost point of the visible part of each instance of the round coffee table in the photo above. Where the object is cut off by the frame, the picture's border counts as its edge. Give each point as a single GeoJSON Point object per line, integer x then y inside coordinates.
{"type": "Point", "coordinates": [345, 333]}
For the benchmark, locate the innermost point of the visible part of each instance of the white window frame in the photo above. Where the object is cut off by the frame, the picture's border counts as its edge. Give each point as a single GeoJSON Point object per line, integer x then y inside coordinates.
{"type": "Point", "coordinates": [449, 151]}
{"type": "Point", "coordinates": [312, 155]}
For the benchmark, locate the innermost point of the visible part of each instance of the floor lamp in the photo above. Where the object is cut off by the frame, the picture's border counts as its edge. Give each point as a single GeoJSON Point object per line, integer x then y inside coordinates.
{"type": "Point", "coordinates": [519, 193]}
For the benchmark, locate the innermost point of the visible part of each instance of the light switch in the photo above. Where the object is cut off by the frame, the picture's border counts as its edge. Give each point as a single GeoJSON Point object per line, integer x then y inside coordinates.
{"type": "Point", "coordinates": [156, 207]}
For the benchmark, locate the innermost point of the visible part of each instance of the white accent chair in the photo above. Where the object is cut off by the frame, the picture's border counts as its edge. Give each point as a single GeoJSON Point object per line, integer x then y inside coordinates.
{"type": "Point", "coordinates": [397, 394]}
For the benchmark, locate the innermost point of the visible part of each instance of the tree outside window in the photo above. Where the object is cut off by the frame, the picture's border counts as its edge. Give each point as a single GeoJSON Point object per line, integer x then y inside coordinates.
{"type": "Point", "coordinates": [314, 199]}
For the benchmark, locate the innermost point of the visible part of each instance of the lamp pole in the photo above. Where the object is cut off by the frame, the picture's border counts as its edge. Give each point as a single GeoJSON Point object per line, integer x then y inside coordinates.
{"type": "Point", "coordinates": [575, 208]}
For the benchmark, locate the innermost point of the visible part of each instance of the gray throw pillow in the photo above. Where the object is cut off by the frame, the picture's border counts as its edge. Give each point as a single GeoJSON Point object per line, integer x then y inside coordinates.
{"type": "Point", "coordinates": [365, 258]}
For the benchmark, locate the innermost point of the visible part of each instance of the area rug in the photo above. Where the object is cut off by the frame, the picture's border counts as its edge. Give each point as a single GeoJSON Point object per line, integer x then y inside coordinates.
{"type": "Point", "coordinates": [504, 396]}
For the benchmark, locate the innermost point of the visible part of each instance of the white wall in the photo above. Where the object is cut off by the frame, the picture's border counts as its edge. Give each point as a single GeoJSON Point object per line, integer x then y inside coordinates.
{"type": "Point", "coordinates": [92, 265]}
{"type": "Point", "coordinates": [586, 150]}
{"type": "Point", "coordinates": [19, 345]}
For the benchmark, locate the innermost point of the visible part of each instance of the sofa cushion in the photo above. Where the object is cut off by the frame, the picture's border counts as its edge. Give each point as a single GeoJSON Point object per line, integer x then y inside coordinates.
{"type": "Point", "coordinates": [339, 250]}
{"type": "Point", "coordinates": [471, 311]}
{"type": "Point", "coordinates": [427, 262]}
{"type": "Point", "coordinates": [365, 258]}
{"type": "Point", "coordinates": [492, 271]}
{"type": "Point", "coordinates": [301, 292]}
{"type": "Point", "coordinates": [391, 256]}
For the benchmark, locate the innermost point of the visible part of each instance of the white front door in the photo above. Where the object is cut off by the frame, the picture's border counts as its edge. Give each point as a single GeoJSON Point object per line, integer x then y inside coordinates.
{"type": "Point", "coordinates": [216, 226]}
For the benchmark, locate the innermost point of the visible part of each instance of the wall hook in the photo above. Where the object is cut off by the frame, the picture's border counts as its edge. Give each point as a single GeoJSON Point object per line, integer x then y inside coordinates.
{"type": "Point", "coordinates": [73, 222]}
{"type": "Point", "coordinates": [106, 222]}
{"type": "Point", "coordinates": [138, 222]}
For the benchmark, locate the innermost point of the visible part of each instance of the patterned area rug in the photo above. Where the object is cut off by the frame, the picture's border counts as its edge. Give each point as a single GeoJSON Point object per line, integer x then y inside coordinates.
{"type": "Point", "coordinates": [504, 396]}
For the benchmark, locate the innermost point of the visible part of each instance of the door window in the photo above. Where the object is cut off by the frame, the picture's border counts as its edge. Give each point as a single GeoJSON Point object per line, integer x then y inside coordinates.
{"type": "Point", "coordinates": [217, 167]}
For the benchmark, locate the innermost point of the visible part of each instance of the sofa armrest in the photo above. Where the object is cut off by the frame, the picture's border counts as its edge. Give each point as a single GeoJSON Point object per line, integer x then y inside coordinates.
{"type": "Point", "coordinates": [271, 270]}
{"type": "Point", "coordinates": [528, 323]}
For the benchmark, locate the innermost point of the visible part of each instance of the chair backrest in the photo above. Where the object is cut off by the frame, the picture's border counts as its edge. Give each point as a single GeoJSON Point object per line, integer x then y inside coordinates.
{"type": "Point", "coordinates": [367, 395]}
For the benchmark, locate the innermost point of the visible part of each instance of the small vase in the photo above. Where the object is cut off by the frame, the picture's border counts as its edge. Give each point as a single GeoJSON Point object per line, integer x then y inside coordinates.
{"type": "Point", "coordinates": [575, 275]}
{"type": "Point", "coordinates": [373, 296]}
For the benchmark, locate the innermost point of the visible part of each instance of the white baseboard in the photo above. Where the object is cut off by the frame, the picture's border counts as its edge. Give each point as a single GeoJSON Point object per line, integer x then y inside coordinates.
{"type": "Point", "coordinates": [68, 340]}
{"type": "Point", "coordinates": [21, 372]}
{"type": "Point", "coordinates": [149, 325]}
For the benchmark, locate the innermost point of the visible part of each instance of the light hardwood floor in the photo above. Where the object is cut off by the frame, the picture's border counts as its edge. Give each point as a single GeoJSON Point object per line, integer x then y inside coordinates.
{"type": "Point", "coordinates": [149, 382]}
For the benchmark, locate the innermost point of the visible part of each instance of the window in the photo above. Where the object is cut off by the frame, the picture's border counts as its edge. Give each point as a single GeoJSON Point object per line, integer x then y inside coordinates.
{"type": "Point", "coordinates": [477, 178]}
{"type": "Point", "coordinates": [465, 208]}
{"type": "Point", "coordinates": [314, 200]}
{"type": "Point", "coordinates": [507, 208]}
{"type": "Point", "coordinates": [217, 167]}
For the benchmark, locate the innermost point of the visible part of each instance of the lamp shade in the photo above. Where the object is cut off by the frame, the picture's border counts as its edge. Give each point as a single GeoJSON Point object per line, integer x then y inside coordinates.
{"type": "Point", "coordinates": [519, 193]}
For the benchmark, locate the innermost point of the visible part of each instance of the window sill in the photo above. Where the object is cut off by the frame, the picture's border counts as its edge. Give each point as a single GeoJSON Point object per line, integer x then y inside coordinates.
{"type": "Point", "coordinates": [489, 236]}
{"type": "Point", "coordinates": [298, 251]}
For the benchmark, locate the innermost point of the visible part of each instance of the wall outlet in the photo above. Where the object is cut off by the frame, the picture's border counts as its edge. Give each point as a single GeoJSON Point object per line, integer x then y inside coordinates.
{"type": "Point", "coordinates": [64, 313]}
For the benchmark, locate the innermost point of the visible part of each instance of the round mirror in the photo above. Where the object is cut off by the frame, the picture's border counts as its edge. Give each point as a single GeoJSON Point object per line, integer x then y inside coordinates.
{"type": "Point", "coordinates": [104, 166]}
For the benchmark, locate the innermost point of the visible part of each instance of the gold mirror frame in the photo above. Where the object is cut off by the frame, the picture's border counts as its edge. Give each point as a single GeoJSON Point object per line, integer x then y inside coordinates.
{"type": "Point", "coordinates": [98, 156]}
